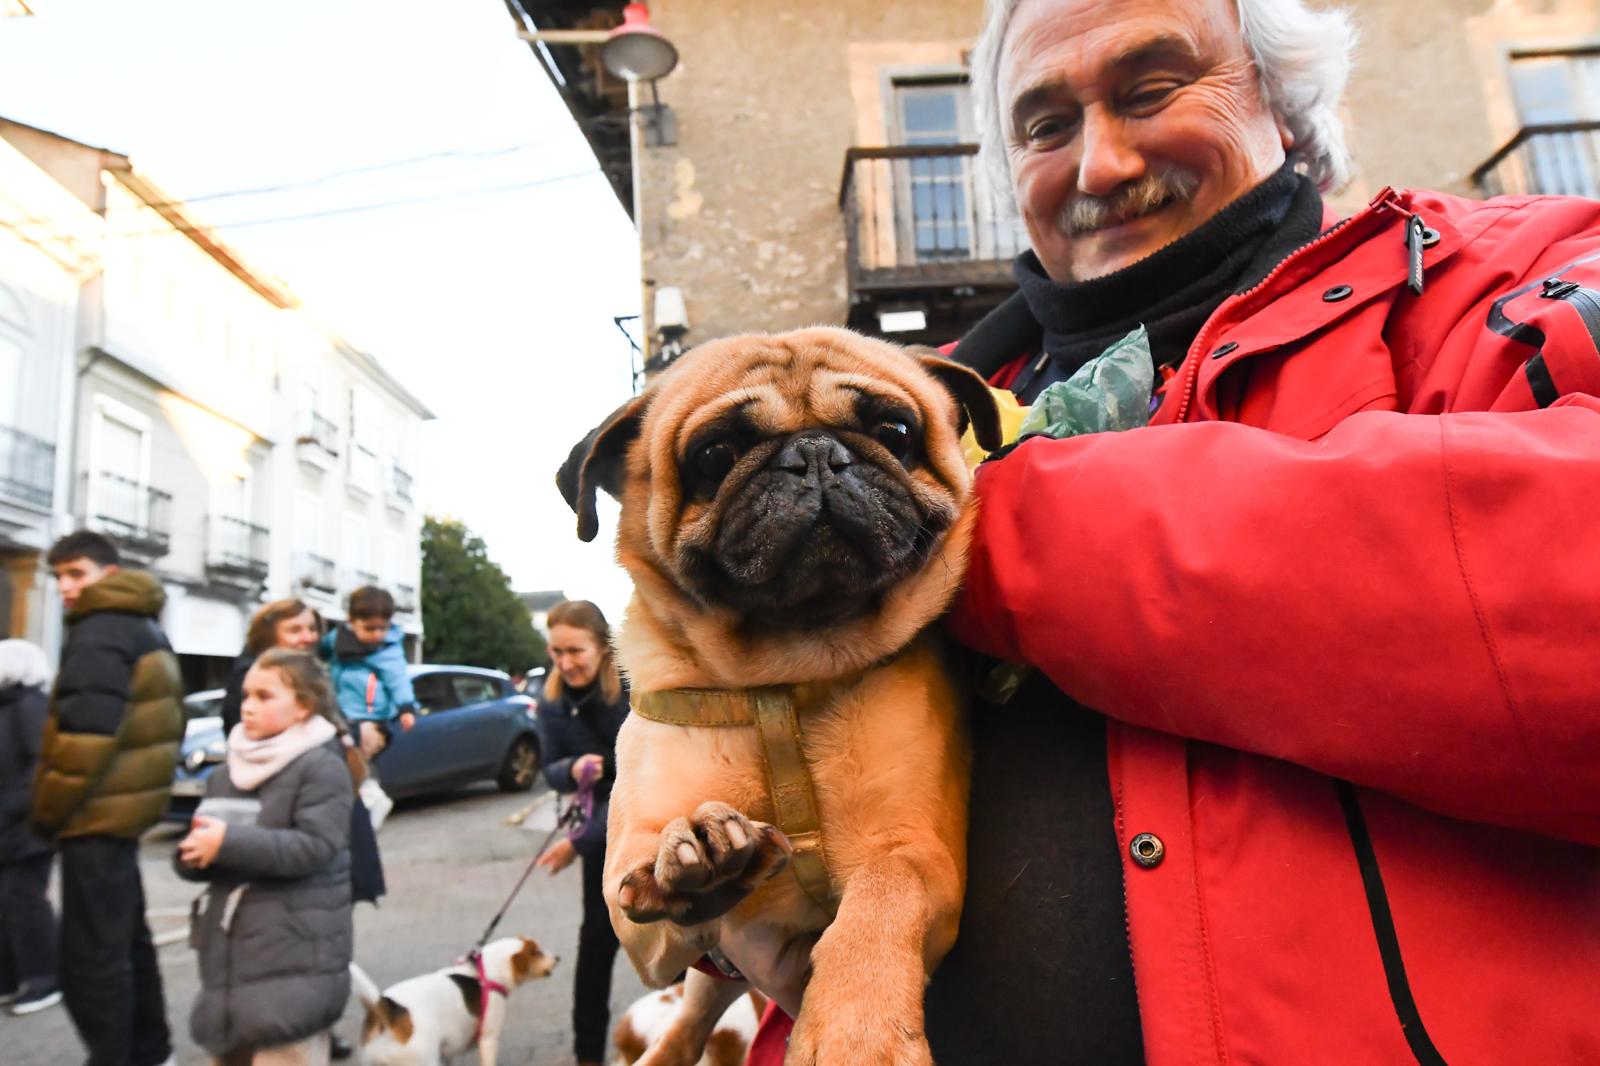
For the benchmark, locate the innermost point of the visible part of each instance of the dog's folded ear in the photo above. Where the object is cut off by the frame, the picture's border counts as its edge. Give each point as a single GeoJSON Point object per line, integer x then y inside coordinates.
{"type": "Point", "coordinates": [970, 391]}
{"type": "Point", "coordinates": [597, 462]}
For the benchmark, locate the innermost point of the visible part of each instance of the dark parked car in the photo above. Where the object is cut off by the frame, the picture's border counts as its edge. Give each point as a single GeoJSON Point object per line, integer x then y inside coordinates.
{"type": "Point", "coordinates": [471, 726]}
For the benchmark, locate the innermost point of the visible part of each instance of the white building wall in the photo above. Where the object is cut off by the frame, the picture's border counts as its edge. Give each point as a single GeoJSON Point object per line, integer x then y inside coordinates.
{"type": "Point", "coordinates": [49, 245]}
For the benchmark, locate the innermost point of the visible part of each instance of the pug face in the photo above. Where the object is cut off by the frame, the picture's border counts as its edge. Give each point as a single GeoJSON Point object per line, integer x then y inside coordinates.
{"type": "Point", "coordinates": [787, 481]}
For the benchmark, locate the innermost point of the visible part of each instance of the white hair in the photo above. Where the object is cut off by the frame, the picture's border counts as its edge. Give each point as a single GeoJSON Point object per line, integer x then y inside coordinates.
{"type": "Point", "coordinates": [22, 663]}
{"type": "Point", "coordinates": [1302, 59]}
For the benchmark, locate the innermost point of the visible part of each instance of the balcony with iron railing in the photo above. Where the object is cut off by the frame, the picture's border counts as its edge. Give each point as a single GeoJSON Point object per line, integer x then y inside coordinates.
{"type": "Point", "coordinates": [400, 488]}
{"type": "Point", "coordinates": [1547, 159]}
{"type": "Point", "coordinates": [27, 467]}
{"type": "Point", "coordinates": [236, 549]}
{"type": "Point", "coordinates": [313, 571]}
{"type": "Point", "coordinates": [405, 599]}
{"type": "Point", "coordinates": [921, 226]}
{"type": "Point", "coordinates": [317, 440]}
{"type": "Point", "coordinates": [135, 515]}
{"type": "Point", "coordinates": [362, 578]}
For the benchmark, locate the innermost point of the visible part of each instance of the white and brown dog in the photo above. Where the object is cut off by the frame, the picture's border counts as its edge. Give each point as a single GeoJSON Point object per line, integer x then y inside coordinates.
{"type": "Point", "coordinates": [428, 1020]}
{"type": "Point", "coordinates": [650, 1021]}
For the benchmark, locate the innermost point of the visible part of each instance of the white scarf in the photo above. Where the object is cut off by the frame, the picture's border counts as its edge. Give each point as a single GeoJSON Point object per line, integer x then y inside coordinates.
{"type": "Point", "coordinates": [252, 762]}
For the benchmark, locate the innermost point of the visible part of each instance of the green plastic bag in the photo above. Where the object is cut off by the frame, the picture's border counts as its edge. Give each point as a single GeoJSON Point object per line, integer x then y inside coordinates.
{"type": "Point", "coordinates": [1110, 392]}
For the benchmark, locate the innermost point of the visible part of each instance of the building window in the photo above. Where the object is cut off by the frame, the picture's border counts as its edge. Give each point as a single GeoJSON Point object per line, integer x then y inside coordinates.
{"type": "Point", "coordinates": [1560, 88]}
{"type": "Point", "coordinates": [936, 192]}
{"type": "Point", "coordinates": [120, 500]}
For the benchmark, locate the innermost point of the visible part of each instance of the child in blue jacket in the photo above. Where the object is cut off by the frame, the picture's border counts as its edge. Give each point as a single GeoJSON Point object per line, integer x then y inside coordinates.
{"type": "Point", "coordinates": [367, 659]}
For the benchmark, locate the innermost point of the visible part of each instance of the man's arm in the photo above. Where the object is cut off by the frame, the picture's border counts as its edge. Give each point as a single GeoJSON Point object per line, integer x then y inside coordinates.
{"type": "Point", "coordinates": [91, 698]}
{"type": "Point", "coordinates": [1411, 603]}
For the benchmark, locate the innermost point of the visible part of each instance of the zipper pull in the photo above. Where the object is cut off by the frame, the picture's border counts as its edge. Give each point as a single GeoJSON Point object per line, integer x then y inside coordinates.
{"type": "Point", "coordinates": [1413, 237]}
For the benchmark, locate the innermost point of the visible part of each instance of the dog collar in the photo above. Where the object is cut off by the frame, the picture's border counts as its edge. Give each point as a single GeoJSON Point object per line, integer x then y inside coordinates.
{"type": "Point", "coordinates": [777, 712]}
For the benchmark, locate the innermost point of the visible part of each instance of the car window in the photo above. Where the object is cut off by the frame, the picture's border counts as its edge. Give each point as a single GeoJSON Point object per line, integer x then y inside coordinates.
{"type": "Point", "coordinates": [473, 689]}
{"type": "Point", "coordinates": [434, 692]}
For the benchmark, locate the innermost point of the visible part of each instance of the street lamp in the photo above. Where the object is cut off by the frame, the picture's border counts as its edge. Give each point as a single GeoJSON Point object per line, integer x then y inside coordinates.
{"type": "Point", "coordinates": [634, 52]}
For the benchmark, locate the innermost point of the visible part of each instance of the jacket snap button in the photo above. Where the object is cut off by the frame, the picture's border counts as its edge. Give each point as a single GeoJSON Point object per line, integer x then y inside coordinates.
{"type": "Point", "coordinates": [1337, 293]}
{"type": "Point", "coordinates": [1430, 237]}
{"type": "Point", "coordinates": [1224, 349]}
{"type": "Point", "coordinates": [1147, 850]}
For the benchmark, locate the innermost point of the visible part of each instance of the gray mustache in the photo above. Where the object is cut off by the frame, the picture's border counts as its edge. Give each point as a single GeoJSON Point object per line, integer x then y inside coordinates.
{"type": "Point", "coordinates": [1089, 213]}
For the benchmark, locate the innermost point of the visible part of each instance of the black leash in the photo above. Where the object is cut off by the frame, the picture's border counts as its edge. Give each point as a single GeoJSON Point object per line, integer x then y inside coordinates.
{"type": "Point", "coordinates": [569, 818]}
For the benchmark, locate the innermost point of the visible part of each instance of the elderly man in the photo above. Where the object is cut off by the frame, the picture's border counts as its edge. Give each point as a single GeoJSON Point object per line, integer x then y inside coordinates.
{"type": "Point", "coordinates": [1309, 768]}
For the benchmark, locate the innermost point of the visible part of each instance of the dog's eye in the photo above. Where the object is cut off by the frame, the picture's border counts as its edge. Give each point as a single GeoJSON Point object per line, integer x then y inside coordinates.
{"type": "Point", "coordinates": [714, 461]}
{"type": "Point", "coordinates": [893, 435]}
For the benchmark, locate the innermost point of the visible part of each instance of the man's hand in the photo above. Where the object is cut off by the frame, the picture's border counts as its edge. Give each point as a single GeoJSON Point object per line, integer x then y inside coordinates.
{"type": "Point", "coordinates": [558, 856]}
{"type": "Point", "coordinates": [407, 720]}
{"type": "Point", "coordinates": [587, 769]}
{"type": "Point", "coordinates": [199, 849]}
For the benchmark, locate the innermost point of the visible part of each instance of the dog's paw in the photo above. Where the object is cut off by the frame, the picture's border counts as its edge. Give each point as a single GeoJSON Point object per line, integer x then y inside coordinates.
{"type": "Point", "coordinates": [836, 1041]}
{"type": "Point", "coordinates": [703, 867]}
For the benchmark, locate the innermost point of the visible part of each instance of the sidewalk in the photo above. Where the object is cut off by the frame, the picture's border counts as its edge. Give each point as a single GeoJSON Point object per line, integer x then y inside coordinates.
{"type": "Point", "coordinates": [450, 863]}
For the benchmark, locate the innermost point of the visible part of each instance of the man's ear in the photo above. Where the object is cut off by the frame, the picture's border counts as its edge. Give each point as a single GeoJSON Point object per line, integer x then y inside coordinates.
{"type": "Point", "coordinates": [970, 391]}
{"type": "Point", "coordinates": [596, 462]}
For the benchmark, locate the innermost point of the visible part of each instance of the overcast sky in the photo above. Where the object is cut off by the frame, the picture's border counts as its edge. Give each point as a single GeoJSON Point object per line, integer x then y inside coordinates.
{"type": "Point", "coordinates": [494, 306]}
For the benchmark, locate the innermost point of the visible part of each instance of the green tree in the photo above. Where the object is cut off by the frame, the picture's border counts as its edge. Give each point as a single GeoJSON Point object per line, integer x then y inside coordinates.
{"type": "Point", "coordinates": [470, 615]}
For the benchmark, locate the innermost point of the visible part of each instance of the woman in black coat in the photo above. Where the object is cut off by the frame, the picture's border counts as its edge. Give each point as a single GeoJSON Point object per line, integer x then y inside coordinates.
{"type": "Point", "coordinates": [582, 709]}
{"type": "Point", "coordinates": [27, 925]}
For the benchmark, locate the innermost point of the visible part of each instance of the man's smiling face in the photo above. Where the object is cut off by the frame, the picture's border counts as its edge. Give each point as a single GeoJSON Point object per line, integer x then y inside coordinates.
{"type": "Point", "coordinates": [1127, 125]}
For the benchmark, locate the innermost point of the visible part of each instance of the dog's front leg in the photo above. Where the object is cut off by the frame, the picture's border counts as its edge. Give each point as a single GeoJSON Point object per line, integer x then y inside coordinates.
{"type": "Point", "coordinates": [704, 1000]}
{"type": "Point", "coordinates": [897, 918]}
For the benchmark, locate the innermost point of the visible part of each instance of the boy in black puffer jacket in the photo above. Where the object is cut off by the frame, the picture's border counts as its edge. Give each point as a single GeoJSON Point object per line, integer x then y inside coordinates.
{"type": "Point", "coordinates": [105, 771]}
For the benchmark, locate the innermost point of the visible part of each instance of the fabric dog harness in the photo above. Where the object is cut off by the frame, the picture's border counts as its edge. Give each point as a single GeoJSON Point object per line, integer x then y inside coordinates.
{"type": "Point", "coordinates": [777, 712]}
{"type": "Point", "coordinates": [487, 987]}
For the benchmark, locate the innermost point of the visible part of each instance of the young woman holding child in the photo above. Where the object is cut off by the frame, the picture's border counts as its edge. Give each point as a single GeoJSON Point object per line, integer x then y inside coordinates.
{"type": "Point", "coordinates": [272, 835]}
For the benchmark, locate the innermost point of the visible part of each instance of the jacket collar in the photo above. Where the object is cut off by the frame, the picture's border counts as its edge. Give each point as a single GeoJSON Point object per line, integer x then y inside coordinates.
{"type": "Point", "coordinates": [1366, 254]}
{"type": "Point", "coordinates": [129, 591]}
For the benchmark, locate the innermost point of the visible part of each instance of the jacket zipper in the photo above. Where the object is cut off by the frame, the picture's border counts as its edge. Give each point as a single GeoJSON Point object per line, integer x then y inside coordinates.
{"type": "Point", "coordinates": [1587, 303]}
{"type": "Point", "coordinates": [1191, 366]}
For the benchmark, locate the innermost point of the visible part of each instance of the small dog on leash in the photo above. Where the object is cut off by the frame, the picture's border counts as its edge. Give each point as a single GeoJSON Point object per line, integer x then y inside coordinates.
{"type": "Point", "coordinates": [649, 1021]}
{"type": "Point", "coordinates": [428, 1020]}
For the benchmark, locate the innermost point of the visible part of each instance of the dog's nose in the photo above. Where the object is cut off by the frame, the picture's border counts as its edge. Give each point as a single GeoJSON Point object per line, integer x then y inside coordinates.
{"type": "Point", "coordinates": [817, 449]}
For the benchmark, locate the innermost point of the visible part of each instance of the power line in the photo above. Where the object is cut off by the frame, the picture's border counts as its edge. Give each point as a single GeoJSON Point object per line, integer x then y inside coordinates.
{"type": "Point", "coordinates": [371, 168]}
{"type": "Point", "coordinates": [351, 209]}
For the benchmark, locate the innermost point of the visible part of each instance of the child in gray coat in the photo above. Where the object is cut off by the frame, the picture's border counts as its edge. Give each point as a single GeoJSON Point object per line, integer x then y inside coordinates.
{"type": "Point", "coordinates": [272, 837]}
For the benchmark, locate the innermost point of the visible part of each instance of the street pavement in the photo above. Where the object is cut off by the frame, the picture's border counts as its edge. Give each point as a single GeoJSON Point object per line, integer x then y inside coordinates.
{"type": "Point", "coordinates": [450, 862]}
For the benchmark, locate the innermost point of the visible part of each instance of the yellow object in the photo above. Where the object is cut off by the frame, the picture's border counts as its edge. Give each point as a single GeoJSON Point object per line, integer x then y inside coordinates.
{"type": "Point", "coordinates": [1011, 415]}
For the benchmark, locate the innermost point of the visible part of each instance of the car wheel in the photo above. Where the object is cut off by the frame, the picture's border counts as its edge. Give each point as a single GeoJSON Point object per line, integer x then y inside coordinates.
{"type": "Point", "coordinates": [521, 766]}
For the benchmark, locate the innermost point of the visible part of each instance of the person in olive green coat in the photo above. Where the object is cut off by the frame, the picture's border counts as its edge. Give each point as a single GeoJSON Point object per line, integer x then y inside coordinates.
{"type": "Point", "coordinates": [111, 740]}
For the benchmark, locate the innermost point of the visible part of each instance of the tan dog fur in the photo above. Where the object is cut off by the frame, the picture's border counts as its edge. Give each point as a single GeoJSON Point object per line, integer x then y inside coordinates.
{"type": "Point", "coordinates": [888, 757]}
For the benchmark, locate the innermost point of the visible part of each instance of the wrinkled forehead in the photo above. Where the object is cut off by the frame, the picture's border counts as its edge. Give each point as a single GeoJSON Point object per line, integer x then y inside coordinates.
{"type": "Point", "coordinates": [1076, 46]}
{"type": "Point", "coordinates": [776, 385]}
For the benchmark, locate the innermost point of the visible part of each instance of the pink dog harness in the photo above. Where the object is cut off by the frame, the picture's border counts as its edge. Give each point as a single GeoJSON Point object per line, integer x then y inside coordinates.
{"type": "Point", "coordinates": [486, 988]}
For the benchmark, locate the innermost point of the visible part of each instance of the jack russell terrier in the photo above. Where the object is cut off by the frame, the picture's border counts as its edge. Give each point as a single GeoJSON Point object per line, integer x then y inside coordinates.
{"type": "Point", "coordinates": [428, 1020]}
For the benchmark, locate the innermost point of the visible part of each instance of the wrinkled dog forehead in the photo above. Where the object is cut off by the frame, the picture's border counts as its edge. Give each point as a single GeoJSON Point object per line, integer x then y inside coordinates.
{"type": "Point", "coordinates": [782, 384]}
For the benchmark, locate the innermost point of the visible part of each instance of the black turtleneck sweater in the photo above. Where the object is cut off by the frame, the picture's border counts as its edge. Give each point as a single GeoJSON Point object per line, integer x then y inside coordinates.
{"type": "Point", "coordinates": [1041, 972]}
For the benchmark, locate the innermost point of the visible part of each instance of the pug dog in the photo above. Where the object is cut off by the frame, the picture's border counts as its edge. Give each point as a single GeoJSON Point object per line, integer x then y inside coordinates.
{"type": "Point", "coordinates": [796, 512]}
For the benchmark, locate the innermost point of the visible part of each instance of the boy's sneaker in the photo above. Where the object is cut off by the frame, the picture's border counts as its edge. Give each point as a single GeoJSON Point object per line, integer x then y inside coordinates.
{"type": "Point", "coordinates": [32, 999]}
{"type": "Point", "coordinates": [9, 996]}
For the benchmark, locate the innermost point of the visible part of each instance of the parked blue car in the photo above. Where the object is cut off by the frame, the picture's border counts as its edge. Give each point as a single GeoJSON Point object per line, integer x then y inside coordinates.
{"type": "Point", "coordinates": [471, 726]}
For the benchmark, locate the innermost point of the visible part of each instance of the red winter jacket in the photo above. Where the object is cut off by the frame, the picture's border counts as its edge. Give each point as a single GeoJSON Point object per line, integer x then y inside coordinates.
{"type": "Point", "coordinates": [1361, 540]}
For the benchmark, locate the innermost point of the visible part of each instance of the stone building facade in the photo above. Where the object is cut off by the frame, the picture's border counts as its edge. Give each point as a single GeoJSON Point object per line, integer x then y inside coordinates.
{"type": "Point", "coordinates": [763, 218]}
